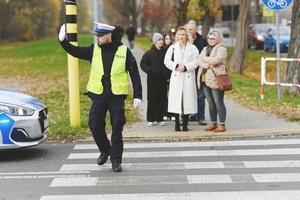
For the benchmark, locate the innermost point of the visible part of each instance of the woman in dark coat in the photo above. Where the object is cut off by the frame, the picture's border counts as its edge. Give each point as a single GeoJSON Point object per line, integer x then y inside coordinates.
{"type": "Point", "coordinates": [152, 63]}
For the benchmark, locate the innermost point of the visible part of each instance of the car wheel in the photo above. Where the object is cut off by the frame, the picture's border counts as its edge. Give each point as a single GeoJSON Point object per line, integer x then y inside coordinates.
{"type": "Point", "coordinates": [265, 48]}
{"type": "Point", "coordinates": [273, 49]}
{"type": "Point", "coordinates": [249, 45]}
{"type": "Point", "coordinates": [254, 45]}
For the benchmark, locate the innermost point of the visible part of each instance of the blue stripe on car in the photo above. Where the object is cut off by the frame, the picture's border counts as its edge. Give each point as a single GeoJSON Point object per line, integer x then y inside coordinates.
{"type": "Point", "coordinates": [6, 124]}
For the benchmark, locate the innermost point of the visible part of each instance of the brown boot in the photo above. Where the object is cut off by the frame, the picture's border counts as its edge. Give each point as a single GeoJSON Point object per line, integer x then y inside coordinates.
{"type": "Point", "coordinates": [221, 128]}
{"type": "Point", "coordinates": [211, 127]}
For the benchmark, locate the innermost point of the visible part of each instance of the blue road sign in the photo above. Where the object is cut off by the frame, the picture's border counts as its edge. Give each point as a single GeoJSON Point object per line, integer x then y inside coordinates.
{"type": "Point", "coordinates": [277, 5]}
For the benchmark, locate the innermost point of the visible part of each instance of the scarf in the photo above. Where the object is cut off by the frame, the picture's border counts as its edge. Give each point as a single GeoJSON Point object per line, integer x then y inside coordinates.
{"type": "Point", "coordinates": [208, 50]}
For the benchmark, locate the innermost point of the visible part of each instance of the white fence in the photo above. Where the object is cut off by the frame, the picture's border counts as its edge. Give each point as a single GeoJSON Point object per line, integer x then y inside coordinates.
{"type": "Point", "coordinates": [263, 74]}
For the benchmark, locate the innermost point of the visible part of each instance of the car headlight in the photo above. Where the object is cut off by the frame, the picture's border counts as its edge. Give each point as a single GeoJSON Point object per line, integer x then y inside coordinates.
{"type": "Point", "coordinates": [260, 37]}
{"type": "Point", "coordinates": [16, 110]}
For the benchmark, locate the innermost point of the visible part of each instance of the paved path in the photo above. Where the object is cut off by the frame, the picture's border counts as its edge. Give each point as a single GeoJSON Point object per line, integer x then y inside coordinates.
{"type": "Point", "coordinates": [240, 122]}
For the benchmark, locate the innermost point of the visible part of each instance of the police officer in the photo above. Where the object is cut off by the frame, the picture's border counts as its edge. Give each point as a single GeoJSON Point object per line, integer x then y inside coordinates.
{"type": "Point", "coordinates": [107, 88]}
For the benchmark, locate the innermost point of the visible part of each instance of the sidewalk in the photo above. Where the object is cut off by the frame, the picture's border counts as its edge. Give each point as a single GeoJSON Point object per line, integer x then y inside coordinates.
{"type": "Point", "coordinates": [240, 122]}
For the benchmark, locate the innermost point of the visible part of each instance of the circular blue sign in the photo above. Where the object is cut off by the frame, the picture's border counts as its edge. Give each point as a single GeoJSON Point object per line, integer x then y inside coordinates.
{"type": "Point", "coordinates": [277, 4]}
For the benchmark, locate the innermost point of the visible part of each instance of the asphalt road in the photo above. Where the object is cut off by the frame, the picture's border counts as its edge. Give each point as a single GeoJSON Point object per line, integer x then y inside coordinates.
{"type": "Point", "coordinates": [229, 169]}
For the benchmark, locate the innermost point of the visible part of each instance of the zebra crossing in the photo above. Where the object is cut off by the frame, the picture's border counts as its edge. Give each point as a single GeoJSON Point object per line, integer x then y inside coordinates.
{"type": "Point", "coordinates": [242, 169]}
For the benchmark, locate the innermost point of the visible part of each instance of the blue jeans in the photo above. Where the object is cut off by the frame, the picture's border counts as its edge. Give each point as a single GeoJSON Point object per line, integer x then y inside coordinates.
{"type": "Point", "coordinates": [215, 99]}
{"type": "Point", "coordinates": [131, 44]}
{"type": "Point", "coordinates": [201, 105]}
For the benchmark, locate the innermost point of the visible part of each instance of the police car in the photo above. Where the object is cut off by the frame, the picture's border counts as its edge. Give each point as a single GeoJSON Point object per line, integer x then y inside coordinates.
{"type": "Point", "coordinates": [24, 120]}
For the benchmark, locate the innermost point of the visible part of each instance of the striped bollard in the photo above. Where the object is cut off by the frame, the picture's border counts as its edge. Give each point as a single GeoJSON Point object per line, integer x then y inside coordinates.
{"type": "Point", "coordinates": [73, 71]}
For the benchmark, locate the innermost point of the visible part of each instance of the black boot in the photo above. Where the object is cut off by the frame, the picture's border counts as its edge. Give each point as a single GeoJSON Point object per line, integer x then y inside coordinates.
{"type": "Point", "coordinates": [185, 122]}
{"type": "Point", "coordinates": [177, 125]}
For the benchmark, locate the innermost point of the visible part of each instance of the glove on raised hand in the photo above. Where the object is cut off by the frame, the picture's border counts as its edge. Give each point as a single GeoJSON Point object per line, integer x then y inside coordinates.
{"type": "Point", "coordinates": [62, 33]}
{"type": "Point", "coordinates": [136, 102]}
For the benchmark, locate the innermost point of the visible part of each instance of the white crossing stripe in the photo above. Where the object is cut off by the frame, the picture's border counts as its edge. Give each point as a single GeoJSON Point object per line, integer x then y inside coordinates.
{"type": "Point", "coordinates": [198, 144]}
{"type": "Point", "coordinates": [185, 165]}
{"type": "Point", "coordinates": [244, 195]}
{"type": "Point", "coordinates": [39, 175]}
{"type": "Point", "coordinates": [173, 179]}
{"type": "Point", "coordinates": [159, 154]}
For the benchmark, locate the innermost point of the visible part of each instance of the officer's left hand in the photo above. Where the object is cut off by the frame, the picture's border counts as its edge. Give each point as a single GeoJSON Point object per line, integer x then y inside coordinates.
{"type": "Point", "coordinates": [62, 33]}
{"type": "Point", "coordinates": [136, 102]}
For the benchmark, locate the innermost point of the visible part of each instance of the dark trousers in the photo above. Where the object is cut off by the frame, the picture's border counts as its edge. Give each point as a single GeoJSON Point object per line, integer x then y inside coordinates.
{"type": "Point", "coordinates": [156, 97]}
{"type": "Point", "coordinates": [97, 125]}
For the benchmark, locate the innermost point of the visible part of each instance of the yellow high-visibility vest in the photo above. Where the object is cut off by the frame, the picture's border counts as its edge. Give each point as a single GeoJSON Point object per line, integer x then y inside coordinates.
{"type": "Point", "coordinates": [118, 74]}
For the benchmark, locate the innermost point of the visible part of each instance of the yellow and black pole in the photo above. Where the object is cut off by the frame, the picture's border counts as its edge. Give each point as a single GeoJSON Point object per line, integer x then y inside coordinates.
{"type": "Point", "coordinates": [73, 71]}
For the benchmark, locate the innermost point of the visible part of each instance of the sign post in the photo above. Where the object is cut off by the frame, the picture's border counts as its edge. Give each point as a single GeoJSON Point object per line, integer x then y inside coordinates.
{"type": "Point", "coordinates": [277, 5]}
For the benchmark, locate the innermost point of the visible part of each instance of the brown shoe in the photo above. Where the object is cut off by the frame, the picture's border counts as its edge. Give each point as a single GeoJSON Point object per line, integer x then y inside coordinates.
{"type": "Point", "coordinates": [221, 128]}
{"type": "Point", "coordinates": [211, 127]}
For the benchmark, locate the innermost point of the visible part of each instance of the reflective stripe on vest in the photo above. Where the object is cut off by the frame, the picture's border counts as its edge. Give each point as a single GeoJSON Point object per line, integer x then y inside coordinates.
{"type": "Point", "coordinates": [118, 74]}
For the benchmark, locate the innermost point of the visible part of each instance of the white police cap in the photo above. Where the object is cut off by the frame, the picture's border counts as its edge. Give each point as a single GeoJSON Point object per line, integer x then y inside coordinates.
{"type": "Point", "coordinates": [101, 28]}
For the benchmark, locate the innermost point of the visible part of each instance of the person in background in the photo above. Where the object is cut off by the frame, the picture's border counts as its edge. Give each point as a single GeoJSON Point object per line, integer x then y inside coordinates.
{"type": "Point", "coordinates": [182, 60]}
{"type": "Point", "coordinates": [152, 63]}
{"type": "Point", "coordinates": [130, 32]}
{"type": "Point", "coordinates": [168, 42]}
{"type": "Point", "coordinates": [107, 87]}
{"type": "Point", "coordinates": [200, 43]}
{"type": "Point", "coordinates": [119, 30]}
{"type": "Point", "coordinates": [213, 57]}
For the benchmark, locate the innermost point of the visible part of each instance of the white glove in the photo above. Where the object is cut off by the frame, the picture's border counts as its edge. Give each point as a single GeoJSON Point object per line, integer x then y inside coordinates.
{"type": "Point", "coordinates": [62, 33]}
{"type": "Point", "coordinates": [136, 102]}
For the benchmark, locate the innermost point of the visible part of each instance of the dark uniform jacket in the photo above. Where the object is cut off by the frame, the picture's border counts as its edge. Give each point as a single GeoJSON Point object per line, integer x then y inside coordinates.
{"type": "Point", "coordinates": [152, 63]}
{"type": "Point", "coordinates": [200, 43]}
{"type": "Point", "coordinates": [108, 53]}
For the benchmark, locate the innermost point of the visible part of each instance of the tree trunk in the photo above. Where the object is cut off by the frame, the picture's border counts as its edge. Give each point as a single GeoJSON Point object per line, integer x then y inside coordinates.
{"type": "Point", "coordinates": [207, 22]}
{"type": "Point", "coordinates": [236, 63]}
{"type": "Point", "coordinates": [182, 12]}
{"type": "Point", "coordinates": [128, 9]}
{"type": "Point", "coordinates": [258, 12]}
{"type": "Point", "coordinates": [292, 71]}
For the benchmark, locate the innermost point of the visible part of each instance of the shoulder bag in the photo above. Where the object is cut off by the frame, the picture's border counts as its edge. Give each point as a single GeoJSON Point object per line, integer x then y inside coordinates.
{"type": "Point", "coordinates": [224, 81]}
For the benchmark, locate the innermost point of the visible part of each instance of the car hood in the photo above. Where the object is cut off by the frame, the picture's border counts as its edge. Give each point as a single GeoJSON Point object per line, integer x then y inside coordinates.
{"type": "Point", "coordinates": [284, 37]}
{"type": "Point", "coordinates": [17, 98]}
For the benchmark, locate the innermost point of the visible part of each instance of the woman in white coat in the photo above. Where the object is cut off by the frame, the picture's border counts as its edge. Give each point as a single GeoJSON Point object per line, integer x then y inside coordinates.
{"type": "Point", "coordinates": [181, 59]}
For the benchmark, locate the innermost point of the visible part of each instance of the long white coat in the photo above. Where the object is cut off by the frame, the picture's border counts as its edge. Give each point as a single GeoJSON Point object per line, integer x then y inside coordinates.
{"type": "Point", "coordinates": [182, 90]}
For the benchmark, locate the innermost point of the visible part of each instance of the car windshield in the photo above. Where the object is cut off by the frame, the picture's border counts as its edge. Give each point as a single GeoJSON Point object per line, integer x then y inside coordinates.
{"type": "Point", "coordinates": [220, 26]}
{"type": "Point", "coordinates": [282, 31]}
{"type": "Point", "coordinates": [262, 29]}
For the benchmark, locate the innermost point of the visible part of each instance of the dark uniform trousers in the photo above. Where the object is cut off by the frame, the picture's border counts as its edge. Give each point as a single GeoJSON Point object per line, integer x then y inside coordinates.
{"type": "Point", "coordinates": [97, 123]}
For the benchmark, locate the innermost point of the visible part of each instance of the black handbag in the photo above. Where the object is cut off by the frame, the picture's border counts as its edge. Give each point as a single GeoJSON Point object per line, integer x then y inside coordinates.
{"type": "Point", "coordinates": [172, 58]}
